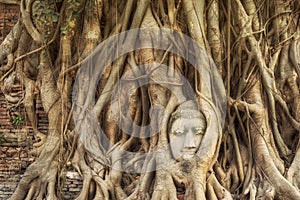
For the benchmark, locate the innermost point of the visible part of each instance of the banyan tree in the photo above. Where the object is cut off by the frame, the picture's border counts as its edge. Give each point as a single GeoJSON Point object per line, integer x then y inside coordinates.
{"type": "Point", "coordinates": [155, 99]}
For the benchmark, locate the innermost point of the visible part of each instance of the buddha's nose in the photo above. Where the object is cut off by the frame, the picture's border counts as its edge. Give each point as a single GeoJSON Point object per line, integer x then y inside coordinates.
{"type": "Point", "coordinates": [189, 141]}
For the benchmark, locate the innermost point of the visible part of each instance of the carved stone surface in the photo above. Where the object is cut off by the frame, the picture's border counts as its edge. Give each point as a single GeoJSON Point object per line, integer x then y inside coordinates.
{"type": "Point", "coordinates": [187, 129]}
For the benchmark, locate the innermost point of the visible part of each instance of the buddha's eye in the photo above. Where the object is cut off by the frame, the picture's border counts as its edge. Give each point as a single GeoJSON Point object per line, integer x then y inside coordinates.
{"type": "Point", "coordinates": [199, 131]}
{"type": "Point", "coordinates": [178, 132]}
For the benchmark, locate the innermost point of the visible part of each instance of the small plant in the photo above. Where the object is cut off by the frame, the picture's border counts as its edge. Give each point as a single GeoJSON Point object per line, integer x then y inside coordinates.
{"type": "Point", "coordinates": [18, 120]}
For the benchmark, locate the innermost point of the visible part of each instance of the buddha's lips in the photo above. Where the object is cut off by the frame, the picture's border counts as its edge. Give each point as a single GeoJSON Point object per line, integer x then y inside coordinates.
{"type": "Point", "coordinates": [188, 152]}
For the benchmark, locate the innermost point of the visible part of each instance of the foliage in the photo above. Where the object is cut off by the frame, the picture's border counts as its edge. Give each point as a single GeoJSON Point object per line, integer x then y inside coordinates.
{"type": "Point", "coordinates": [18, 120]}
{"type": "Point", "coordinates": [2, 139]}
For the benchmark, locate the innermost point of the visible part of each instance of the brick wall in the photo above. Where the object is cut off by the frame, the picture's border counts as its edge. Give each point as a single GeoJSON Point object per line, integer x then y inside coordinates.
{"type": "Point", "coordinates": [16, 144]}
{"type": "Point", "coordinates": [16, 141]}
{"type": "Point", "coordinates": [8, 17]}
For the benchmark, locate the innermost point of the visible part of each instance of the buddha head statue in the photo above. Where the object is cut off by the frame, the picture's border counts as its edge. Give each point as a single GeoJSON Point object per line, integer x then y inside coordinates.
{"type": "Point", "coordinates": [187, 126]}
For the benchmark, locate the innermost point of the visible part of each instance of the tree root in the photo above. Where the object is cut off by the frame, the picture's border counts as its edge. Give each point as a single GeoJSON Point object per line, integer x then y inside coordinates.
{"type": "Point", "coordinates": [215, 190]}
{"type": "Point", "coordinates": [292, 174]}
{"type": "Point", "coordinates": [9, 44]}
{"type": "Point", "coordinates": [261, 150]}
{"type": "Point", "coordinates": [42, 168]}
{"type": "Point", "coordinates": [84, 171]}
{"type": "Point", "coordinates": [163, 186]}
{"type": "Point", "coordinates": [42, 137]}
{"type": "Point", "coordinates": [27, 21]}
{"type": "Point", "coordinates": [6, 88]}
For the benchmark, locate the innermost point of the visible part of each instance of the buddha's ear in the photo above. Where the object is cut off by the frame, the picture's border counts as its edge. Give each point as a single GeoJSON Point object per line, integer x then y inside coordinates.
{"type": "Point", "coordinates": [212, 137]}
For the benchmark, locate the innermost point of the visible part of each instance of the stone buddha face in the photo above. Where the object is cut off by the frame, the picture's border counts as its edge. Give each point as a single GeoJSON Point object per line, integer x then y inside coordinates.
{"type": "Point", "coordinates": [186, 130]}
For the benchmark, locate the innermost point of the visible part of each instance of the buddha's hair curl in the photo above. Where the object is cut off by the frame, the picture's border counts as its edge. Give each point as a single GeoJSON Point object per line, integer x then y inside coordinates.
{"type": "Point", "coordinates": [187, 110]}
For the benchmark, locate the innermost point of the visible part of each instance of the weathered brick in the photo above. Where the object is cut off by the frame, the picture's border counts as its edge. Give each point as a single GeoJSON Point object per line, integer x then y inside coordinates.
{"type": "Point", "coordinates": [14, 156]}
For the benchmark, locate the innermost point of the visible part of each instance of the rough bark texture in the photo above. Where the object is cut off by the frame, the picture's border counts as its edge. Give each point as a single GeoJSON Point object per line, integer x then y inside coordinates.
{"type": "Point", "coordinates": [251, 47]}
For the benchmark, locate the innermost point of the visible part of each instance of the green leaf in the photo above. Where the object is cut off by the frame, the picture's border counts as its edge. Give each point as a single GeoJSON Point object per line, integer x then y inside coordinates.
{"type": "Point", "coordinates": [40, 66]}
{"type": "Point", "coordinates": [18, 120]}
{"type": "Point", "coordinates": [55, 17]}
{"type": "Point", "coordinates": [63, 28]}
